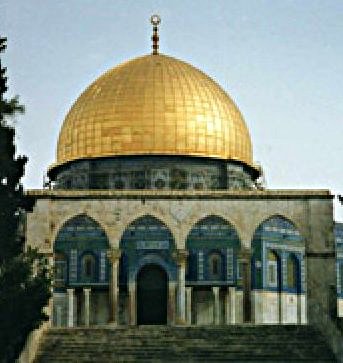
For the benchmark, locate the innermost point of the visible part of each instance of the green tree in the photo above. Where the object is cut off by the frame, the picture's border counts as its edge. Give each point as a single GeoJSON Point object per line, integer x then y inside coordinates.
{"type": "Point", "coordinates": [24, 277]}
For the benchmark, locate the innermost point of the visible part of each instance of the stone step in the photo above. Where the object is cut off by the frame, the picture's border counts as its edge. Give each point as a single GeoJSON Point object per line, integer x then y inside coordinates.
{"type": "Point", "coordinates": [228, 336]}
{"type": "Point", "coordinates": [184, 344]}
{"type": "Point", "coordinates": [189, 346]}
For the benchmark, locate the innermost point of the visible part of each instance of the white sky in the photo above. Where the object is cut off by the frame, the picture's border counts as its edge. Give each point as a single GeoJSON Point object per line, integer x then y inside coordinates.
{"type": "Point", "coordinates": [280, 60]}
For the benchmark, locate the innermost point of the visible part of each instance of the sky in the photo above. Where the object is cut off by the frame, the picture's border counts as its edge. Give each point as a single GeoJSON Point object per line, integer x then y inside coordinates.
{"type": "Point", "coordinates": [281, 61]}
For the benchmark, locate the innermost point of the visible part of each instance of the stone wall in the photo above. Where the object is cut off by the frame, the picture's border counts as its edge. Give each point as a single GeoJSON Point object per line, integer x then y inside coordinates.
{"type": "Point", "coordinates": [310, 211]}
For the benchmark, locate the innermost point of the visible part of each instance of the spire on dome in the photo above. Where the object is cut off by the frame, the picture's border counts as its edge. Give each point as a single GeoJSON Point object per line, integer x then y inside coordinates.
{"type": "Point", "coordinates": [155, 20]}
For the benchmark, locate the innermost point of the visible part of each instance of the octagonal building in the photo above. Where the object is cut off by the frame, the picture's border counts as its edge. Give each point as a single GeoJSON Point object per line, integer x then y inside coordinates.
{"type": "Point", "coordinates": [156, 214]}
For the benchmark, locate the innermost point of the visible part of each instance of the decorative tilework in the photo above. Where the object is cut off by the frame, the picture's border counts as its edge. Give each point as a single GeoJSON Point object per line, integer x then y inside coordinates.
{"type": "Point", "coordinates": [284, 268]}
{"type": "Point", "coordinates": [200, 265]}
{"type": "Point", "coordinates": [302, 273]}
{"type": "Point", "coordinates": [213, 235]}
{"type": "Point", "coordinates": [79, 236]}
{"type": "Point", "coordinates": [146, 240]}
{"type": "Point", "coordinates": [152, 245]}
{"type": "Point", "coordinates": [279, 235]}
{"type": "Point", "coordinates": [102, 269]}
{"type": "Point", "coordinates": [229, 264]}
{"type": "Point", "coordinates": [73, 266]}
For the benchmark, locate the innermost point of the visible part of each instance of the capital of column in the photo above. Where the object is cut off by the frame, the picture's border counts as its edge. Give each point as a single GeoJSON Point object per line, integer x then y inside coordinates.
{"type": "Point", "coordinates": [245, 254]}
{"type": "Point", "coordinates": [181, 257]}
{"type": "Point", "coordinates": [114, 254]}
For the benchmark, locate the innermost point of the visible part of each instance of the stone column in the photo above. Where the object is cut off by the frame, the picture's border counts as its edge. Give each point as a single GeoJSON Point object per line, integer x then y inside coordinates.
{"type": "Point", "coordinates": [227, 306]}
{"type": "Point", "coordinates": [181, 259]}
{"type": "Point", "coordinates": [232, 292]}
{"type": "Point", "coordinates": [86, 293]}
{"type": "Point", "coordinates": [132, 303]}
{"type": "Point", "coordinates": [114, 256]}
{"type": "Point", "coordinates": [301, 311]}
{"type": "Point", "coordinates": [245, 257]}
{"type": "Point", "coordinates": [70, 320]}
{"type": "Point", "coordinates": [215, 290]}
{"type": "Point", "coordinates": [58, 321]}
{"type": "Point", "coordinates": [282, 282]}
{"type": "Point", "coordinates": [189, 305]}
{"type": "Point", "coordinates": [171, 302]}
{"type": "Point", "coordinates": [230, 305]}
{"type": "Point", "coordinates": [282, 302]}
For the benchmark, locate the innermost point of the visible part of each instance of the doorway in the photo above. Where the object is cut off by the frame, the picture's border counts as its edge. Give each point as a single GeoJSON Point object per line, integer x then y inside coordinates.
{"type": "Point", "coordinates": [152, 290]}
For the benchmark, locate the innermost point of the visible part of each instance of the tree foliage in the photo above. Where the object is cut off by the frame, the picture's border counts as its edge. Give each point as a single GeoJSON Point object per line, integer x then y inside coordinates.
{"type": "Point", "coordinates": [24, 277]}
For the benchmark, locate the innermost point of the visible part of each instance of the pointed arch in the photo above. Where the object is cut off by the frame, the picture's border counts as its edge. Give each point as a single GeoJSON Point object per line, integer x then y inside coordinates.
{"type": "Point", "coordinates": [79, 237]}
{"type": "Point", "coordinates": [220, 218]}
{"type": "Point", "coordinates": [144, 239]}
{"type": "Point", "coordinates": [214, 223]}
{"type": "Point", "coordinates": [278, 264]}
{"type": "Point", "coordinates": [78, 227]}
{"type": "Point", "coordinates": [147, 228]}
{"type": "Point", "coordinates": [213, 246]}
{"type": "Point", "coordinates": [67, 219]}
{"type": "Point", "coordinates": [276, 233]}
{"type": "Point", "coordinates": [133, 218]}
{"type": "Point", "coordinates": [278, 223]}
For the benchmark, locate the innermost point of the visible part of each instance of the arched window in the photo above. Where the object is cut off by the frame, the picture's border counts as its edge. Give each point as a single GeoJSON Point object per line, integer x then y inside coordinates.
{"type": "Point", "coordinates": [88, 267]}
{"type": "Point", "coordinates": [272, 269]}
{"type": "Point", "coordinates": [215, 266]}
{"type": "Point", "coordinates": [292, 269]}
{"type": "Point", "coordinates": [60, 271]}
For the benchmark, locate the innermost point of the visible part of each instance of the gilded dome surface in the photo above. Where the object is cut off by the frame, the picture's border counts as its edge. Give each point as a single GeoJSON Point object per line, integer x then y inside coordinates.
{"type": "Point", "coordinates": [158, 105]}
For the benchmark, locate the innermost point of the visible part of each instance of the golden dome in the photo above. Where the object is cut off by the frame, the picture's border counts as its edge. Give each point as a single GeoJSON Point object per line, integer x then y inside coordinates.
{"type": "Point", "coordinates": [154, 104]}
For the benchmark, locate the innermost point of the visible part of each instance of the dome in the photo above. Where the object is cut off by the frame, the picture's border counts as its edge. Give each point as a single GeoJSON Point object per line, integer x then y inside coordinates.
{"type": "Point", "coordinates": [154, 105]}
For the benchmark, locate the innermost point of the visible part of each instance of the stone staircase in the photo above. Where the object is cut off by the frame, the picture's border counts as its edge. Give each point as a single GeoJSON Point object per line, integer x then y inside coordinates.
{"type": "Point", "coordinates": [238, 343]}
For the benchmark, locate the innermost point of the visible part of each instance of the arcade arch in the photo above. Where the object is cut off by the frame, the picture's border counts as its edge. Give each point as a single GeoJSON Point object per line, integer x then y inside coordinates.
{"type": "Point", "coordinates": [81, 267]}
{"type": "Point", "coordinates": [213, 248]}
{"type": "Point", "coordinates": [278, 272]}
{"type": "Point", "coordinates": [147, 249]}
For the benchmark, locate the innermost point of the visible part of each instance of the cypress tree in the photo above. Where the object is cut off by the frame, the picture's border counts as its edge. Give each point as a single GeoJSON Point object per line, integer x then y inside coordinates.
{"type": "Point", "coordinates": [24, 278]}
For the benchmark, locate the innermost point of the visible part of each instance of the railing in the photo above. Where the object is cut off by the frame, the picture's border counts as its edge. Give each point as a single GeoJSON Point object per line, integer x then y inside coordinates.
{"type": "Point", "coordinates": [29, 352]}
